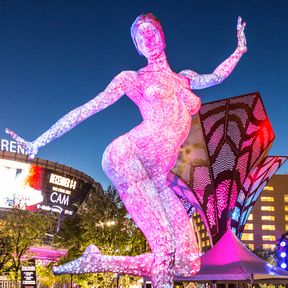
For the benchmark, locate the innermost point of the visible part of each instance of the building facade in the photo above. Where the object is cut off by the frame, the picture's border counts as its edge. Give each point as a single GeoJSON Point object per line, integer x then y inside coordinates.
{"type": "Point", "coordinates": [268, 220]}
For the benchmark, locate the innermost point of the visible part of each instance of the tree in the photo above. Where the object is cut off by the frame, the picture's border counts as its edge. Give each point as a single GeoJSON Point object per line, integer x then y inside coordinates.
{"type": "Point", "coordinates": [46, 278]}
{"type": "Point", "coordinates": [23, 229]}
{"type": "Point", "coordinates": [266, 254]}
{"type": "Point", "coordinates": [5, 252]}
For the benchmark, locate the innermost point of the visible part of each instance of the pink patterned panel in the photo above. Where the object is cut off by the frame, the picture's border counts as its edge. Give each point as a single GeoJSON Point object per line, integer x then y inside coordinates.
{"type": "Point", "coordinates": [234, 196]}
{"type": "Point", "coordinates": [247, 99]}
{"type": "Point", "coordinates": [211, 106]}
{"type": "Point", "coordinates": [200, 181]}
{"type": "Point", "coordinates": [225, 160]}
{"type": "Point", "coordinates": [210, 121]}
{"type": "Point", "coordinates": [256, 150]}
{"type": "Point", "coordinates": [242, 166]}
{"type": "Point", "coordinates": [210, 210]}
{"type": "Point", "coordinates": [252, 128]}
{"type": "Point", "coordinates": [247, 143]}
{"type": "Point", "coordinates": [234, 133]}
{"type": "Point", "coordinates": [241, 114]}
{"type": "Point", "coordinates": [222, 193]}
{"type": "Point", "coordinates": [215, 139]}
{"type": "Point", "coordinates": [259, 112]}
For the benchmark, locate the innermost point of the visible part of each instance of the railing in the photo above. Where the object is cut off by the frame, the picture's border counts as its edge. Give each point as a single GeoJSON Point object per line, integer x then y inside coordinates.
{"type": "Point", "coordinates": [8, 284]}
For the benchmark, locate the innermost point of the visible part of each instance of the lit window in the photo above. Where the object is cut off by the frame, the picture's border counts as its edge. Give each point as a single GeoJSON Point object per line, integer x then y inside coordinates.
{"type": "Point", "coordinates": [286, 198]}
{"type": "Point", "coordinates": [249, 226]}
{"type": "Point", "coordinates": [269, 218]}
{"type": "Point", "coordinates": [286, 208]}
{"type": "Point", "coordinates": [268, 208]}
{"type": "Point", "coordinates": [207, 242]}
{"type": "Point", "coordinates": [267, 198]}
{"type": "Point", "coordinates": [247, 236]}
{"type": "Point", "coordinates": [268, 227]}
{"type": "Point", "coordinates": [268, 188]}
{"type": "Point", "coordinates": [268, 237]}
{"type": "Point", "coordinates": [251, 246]}
{"type": "Point", "coordinates": [286, 217]}
{"type": "Point", "coordinates": [286, 227]}
{"type": "Point", "coordinates": [269, 246]}
{"type": "Point", "coordinates": [250, 217]}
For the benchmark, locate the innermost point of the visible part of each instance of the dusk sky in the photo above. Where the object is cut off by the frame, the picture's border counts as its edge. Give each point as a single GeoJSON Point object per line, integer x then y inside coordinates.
{"type": "Point", "coordinates": [56, 55]}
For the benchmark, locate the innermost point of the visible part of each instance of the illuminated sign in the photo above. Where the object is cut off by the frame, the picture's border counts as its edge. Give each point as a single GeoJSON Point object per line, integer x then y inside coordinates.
{"type": "Point", "coordinates": [62, 181]}
{"type": "Point", "coordinates": [20, 184]}
{"type": "Point", "coordinates": [28, 275]}
{"type": "Point", "coordinates": [11, 146]}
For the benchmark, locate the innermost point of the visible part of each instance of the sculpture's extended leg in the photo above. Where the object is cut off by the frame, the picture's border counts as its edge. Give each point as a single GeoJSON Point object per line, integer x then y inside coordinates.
{"type": "Point", "coordinates": [145, 207]}
{"type": "Point", "coordinates": [187, 259]}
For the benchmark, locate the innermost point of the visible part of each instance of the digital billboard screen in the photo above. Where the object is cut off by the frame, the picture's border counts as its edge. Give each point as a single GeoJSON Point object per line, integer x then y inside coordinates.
{"type": "Point", "coordinates": [35, 188]}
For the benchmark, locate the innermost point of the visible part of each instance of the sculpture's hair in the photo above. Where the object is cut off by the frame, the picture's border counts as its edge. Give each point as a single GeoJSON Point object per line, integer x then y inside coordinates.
{"type": "Point", "coordinates": [146, 18]}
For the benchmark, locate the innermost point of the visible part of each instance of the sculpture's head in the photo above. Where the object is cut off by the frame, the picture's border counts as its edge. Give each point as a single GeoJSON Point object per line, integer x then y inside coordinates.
{"type": "Point", "coordinates": [148, 36]}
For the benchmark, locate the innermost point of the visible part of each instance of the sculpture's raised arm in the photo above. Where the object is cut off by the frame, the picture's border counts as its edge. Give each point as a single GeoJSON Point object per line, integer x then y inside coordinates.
{"type": "Point", "coordinates": [200, 81]}
{"type": "Point", "coordinates": [110, 95]}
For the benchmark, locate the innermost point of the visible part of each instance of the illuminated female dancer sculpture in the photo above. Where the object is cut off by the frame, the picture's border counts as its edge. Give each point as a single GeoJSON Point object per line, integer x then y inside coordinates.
{"type": "Point", "coordinates": [138, 162]}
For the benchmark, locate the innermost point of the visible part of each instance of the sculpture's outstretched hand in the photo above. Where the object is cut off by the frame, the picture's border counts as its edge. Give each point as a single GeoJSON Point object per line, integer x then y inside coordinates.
{"type": "Point", "coordinates": [242, 44]}
{"type": "Point", "coordinates": [30, 147]}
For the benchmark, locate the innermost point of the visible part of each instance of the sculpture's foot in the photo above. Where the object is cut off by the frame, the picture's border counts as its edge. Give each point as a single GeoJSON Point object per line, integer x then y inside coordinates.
{"type": "Point", "coordinates": [162, 271]}
{"type": "Point", "coordinates": [187, 266]}
{"type": "Point", "coordinates": [87, 263]}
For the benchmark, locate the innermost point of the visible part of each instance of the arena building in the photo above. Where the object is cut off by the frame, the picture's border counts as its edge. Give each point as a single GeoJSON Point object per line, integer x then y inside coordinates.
{"type": "Point", "coordinates": [42, 185]}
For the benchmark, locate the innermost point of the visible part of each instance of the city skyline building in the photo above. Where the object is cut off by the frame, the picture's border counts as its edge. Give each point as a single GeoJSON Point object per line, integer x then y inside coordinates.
{"type": "Point", "coordinates": [268, 220]}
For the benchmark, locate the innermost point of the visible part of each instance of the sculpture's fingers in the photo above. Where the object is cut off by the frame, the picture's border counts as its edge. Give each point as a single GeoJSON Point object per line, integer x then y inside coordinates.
{"type": "Point", "coordinates": [239, 22]}
{"type": "Point", "coordinates": [14, 135]}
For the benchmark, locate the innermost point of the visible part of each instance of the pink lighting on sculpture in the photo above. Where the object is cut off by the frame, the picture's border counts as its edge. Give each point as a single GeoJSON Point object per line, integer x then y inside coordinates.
{"type": "Point", "coordinates": [139, 161]}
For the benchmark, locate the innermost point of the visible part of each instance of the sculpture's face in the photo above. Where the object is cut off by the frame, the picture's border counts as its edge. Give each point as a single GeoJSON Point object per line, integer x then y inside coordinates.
{"type": "Point", "coordinates": [149, 41]}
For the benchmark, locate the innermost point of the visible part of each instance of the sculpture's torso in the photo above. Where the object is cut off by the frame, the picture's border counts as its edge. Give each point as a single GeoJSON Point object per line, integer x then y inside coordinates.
{"type": "Point", "coordinates": [166, 104]}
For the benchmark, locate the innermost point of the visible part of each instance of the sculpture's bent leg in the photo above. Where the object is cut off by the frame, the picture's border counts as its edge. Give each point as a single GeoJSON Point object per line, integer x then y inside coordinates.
{"type": "Point", "coordinates": [130, 175]}
{"type": "Point", "coordinates": [145, 207]}
{"type": "Point", "coordinates": [187, 258]}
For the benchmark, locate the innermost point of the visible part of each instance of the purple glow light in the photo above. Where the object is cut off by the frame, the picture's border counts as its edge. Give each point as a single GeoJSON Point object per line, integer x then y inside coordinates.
{"type": "Point", "coordinates": [283, 254]}
{"type": "Point", "coordinates": [282, 243]}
